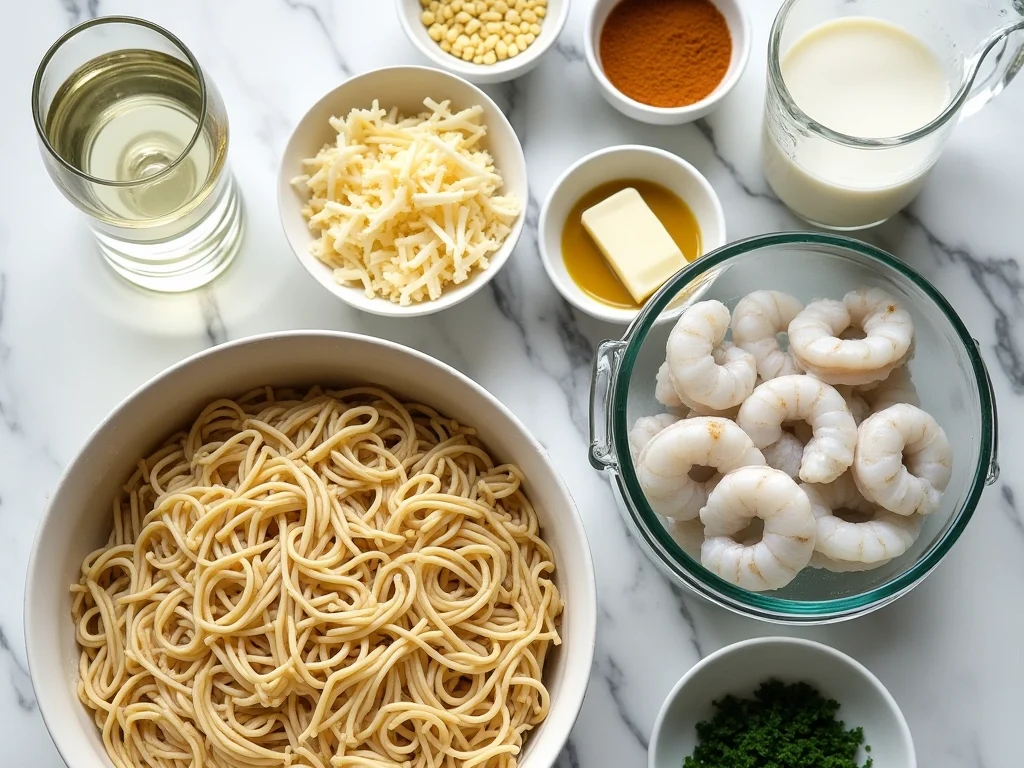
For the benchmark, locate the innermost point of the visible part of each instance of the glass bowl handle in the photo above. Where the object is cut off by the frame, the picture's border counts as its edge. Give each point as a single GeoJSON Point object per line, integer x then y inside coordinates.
{"type": "Point", "coordinates": [606, 363]}
{"type": "Point", "coordinates": [993, 467]}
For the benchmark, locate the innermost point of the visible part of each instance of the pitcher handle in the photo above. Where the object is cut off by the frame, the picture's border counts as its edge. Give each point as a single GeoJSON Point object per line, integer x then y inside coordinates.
{"type": "Point", "coordinates": [606, 363]}
{"type": "Point", "coordinates": [1005, 50]}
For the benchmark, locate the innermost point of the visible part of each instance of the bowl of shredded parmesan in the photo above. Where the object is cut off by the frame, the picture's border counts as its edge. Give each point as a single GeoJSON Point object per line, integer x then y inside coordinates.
{"type": "Point", "coordinates": [403, 190]}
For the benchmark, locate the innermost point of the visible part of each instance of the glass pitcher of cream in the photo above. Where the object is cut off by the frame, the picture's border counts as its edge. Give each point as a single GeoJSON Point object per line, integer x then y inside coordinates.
{"type": "Point", "coordinates": [863, 94]}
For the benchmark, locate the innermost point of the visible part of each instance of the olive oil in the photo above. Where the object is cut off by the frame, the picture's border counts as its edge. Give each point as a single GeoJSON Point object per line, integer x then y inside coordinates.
{"type": "Point", "coordinates": [583, 259]}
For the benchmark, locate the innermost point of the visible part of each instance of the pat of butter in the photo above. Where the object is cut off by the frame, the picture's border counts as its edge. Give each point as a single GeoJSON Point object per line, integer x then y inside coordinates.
{"type": "Point", "coordinates": [634, 242]}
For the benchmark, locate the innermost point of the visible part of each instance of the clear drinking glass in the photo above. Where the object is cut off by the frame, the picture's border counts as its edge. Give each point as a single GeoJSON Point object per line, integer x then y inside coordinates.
{"type": "Point", "coordinates": [978, 44]}
{"type": "Point", "coordinates": [136, 136]}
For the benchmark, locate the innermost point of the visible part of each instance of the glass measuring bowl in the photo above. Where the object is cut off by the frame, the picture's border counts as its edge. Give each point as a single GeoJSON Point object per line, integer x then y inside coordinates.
{"type": "Point", "coordinates": [947, 369]}
{"type": "Point", "coordinates": [979, 46]}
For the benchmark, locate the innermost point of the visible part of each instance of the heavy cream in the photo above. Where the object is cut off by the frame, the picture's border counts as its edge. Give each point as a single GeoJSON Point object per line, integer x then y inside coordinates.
{"type": "Point", "coordinates": [866, 78]}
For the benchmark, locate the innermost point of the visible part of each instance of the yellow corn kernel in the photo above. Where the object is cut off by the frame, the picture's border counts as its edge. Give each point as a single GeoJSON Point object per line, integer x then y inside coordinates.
{"type": "Point", "coordinates": [478, 59]}
{"type": "Point", "coordinates": [493, 27]}
{"type": "Point", "coordinates": [473, 26]}
{"type": "Point", "coordinates": [490, 16]}
{"type": "Point", "coordinates": [535, 29]}
{"type": "Point", "coordinates": [456, 5]}
{"type": "Point", "coordinates": [530, 37]}
{"type": "Point", "coordinates": [490, 57]}
{"type": "Point", "coordinates": [447, 12]}
{"type": "Point", "coordinates": [541, 11]}
{"type": "Point", "coordinates": [500, 6]}
{"type": "Point", "coordinates": [513, 50]}
{"type": "Point", "coordinates": [434, 6]}
{"type": "Point", "coordinates": [521, 42]}
{"type": "Point", "coordinates": [424, 3]}
{"type": "Point", "coordinates": [436, 33]}
{"type": "Point", "coordinates": [512, 17]}
{"type": "Point", "coordinates": [427, 18]}
{"type": "Point", "coordinates": [529, 16]}
{"type": "Point", "coordinates": [490, 42]}
{"type": "Point", "coordinates": [462, 40]}
{"type": "Point", "coordinates": [509, 38]}
{"type": "Point", "coordinates": [467, 55]}
{"type": "Point", "coordinates": [475, 39]}
{"type": "Point", "coordinates": [524, 27]}
{"type": "Point", "coordinates": [446, 46]}
{"type": "Point", "coordinates": [462, 17]}
{"type": "Point", "coordinates": [501, 48]}
{"type": "Point", "coordinates": [451, 35]}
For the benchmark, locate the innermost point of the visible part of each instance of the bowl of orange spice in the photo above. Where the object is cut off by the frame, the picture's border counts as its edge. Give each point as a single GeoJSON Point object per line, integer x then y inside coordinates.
{"type": "Point", "coordinates": [667, 61]}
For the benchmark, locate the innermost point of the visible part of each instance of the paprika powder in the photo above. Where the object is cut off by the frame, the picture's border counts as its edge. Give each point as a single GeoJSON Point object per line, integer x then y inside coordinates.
{"type": "Point", "coordinates": [665, 53]}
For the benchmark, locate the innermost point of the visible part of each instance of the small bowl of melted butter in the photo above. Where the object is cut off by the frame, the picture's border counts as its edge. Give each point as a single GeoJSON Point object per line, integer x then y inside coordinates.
{"type": "Point", "coordinates": [620, 222]}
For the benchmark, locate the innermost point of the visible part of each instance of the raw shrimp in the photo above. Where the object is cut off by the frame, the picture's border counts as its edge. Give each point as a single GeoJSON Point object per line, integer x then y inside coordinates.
{"type": "Point", "coordinates": [664, 390]}
{"type": "Point", "coordinates": [897, 388]}
{"type": "Point", "coordinates": [830, 450]}
{"type": "Point", "coordinates": [855, 401]}
{"type": "Point", "coordinates": [814, 337]}
{"type": "Point", "coordinates": [717, 381]}
{"type": "Point", "coordinates": [878, 537]}
{"type": "Point", "coordinates": [688, 534]}
{"type": "Point", "coordinates": [785, 454]}
{"type": "Point", "coordinates": [789, 529]}
{"type": "Point", "coordinates": [824, 563]}
{"type": "Point", "coordinates": [645, 429]}
{"type": "Point", "coordinates": [664, 465]}
{"type": "Point", "coordinates": [756, 322]}
{"type": "Point", "coordinates": [903, 460]}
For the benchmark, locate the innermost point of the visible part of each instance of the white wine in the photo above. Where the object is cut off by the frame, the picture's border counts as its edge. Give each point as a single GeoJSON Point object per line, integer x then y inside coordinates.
{"type": "Point", "coordinates": [126, 117]}
{"type": "Point", "coordinates": [139, 140]}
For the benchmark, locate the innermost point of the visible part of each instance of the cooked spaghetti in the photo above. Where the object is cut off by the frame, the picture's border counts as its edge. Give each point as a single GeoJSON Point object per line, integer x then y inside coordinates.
{"type": "Point", "coordinates": [330, 578]}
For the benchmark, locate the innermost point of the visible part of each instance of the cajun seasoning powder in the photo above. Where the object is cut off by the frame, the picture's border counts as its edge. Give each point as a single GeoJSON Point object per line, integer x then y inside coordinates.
{"type": "Point", "coordinates": [665, 53]}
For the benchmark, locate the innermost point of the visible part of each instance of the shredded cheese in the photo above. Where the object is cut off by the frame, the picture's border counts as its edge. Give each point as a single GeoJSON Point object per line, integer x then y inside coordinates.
{"type": "Point", "coordinates": [404, 206]}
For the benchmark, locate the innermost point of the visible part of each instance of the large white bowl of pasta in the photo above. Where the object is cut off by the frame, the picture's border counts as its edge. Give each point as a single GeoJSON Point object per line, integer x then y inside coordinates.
{"type": "Point", "coordinates": [239, 570]}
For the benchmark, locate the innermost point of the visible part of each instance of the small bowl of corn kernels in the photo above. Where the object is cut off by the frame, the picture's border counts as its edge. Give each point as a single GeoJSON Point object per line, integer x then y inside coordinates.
{"type": "Point", "coordinates": [483, 41]}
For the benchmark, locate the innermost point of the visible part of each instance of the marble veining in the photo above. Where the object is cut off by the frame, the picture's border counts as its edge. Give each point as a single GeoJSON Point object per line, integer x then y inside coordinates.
{"type": "Point", "coordinates": [74, 341]}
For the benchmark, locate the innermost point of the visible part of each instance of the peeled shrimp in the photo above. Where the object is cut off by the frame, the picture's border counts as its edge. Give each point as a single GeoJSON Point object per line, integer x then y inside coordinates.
{"type": "Point", "coordinates": [664, 390]}
{"type": "Point", "coordinates": [822, 562]}
{"type": "Point", "coordinates": [664, 465]}
{"type": "Point", "coordinates": [814, 337]}
{"type": "Point", "coordinates": [789, 529]}
{"type": "Point", "coordinates": [903, 460]}
{"type": "Point", "coordinates": [830, 450]}
{"type": "Point", "coordinates": [877, 538]}
{"type": "Point", "coordinates": [688, 534]}
{"type": "Point", "coordinates": [785, 454]}
{"type": "Point", "coordinates": [858, 406]}
{"type": "Point", "coordinates": [716, 383]}
{"type": "Point", "coordinates": [756, 322]}
{"type": "Point", "coordinates": [645, 429]}
{"type": "Point", "coordinates": [897, 388]}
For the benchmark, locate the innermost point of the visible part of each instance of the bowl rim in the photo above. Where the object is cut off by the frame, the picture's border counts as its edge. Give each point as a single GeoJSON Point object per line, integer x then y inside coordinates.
{"type": "Point", "coordinates": [732, 76]}
{"type": "Point", "coordinates": [482, 73]}
{"type": "Point", "coordinates": [763, 605]}
{"type": "Point", "coordinates": [354, 296]}
{"type": "Point", "coordinates": [32, 611]}
{"type": "Point", "coordinates": [842, 658]}
{"type": "Point", "coordinates": [583, 302]}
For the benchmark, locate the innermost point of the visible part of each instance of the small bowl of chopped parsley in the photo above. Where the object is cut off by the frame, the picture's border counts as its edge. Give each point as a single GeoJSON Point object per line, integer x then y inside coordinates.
{"type": "Point", "coordinates": [780, 702]}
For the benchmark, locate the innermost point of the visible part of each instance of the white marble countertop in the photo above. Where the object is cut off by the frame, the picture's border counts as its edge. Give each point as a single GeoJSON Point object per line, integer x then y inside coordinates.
{"type": "Point", "coordinates": [74, 341]}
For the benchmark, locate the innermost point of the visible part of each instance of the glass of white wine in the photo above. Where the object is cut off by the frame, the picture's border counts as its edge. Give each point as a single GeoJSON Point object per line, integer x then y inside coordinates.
{"type": "Point", "coordinates": [136, 136]}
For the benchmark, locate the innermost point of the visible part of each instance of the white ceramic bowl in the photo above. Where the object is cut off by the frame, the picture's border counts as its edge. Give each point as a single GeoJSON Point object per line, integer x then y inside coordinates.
{"type": "Point", "coordinates": [632, 161]}
{"type": "Point", "coordinates": [739, 26]}
{"type": "Point", "coordinates": [78, 518]}
{"type": "Point", "coordinates": [550, 27]}
{"type": "Point", "coordinates": [738, 670]}
{"type": "Point", "coordinates": [405, 88]}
